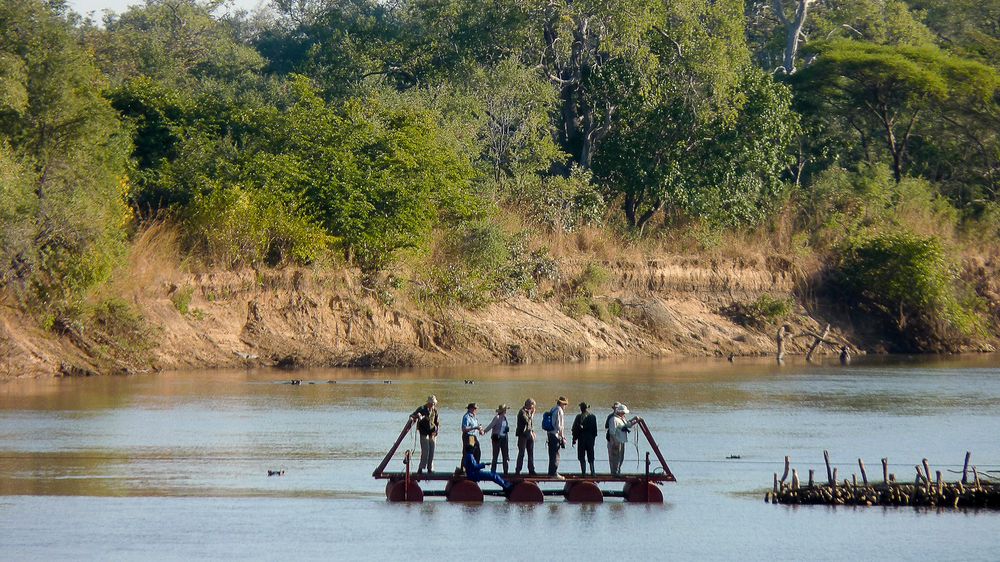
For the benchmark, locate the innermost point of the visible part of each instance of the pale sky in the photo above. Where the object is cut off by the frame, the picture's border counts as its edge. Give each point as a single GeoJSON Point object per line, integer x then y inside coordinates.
{"type": "Point", "coordinates": [98, 6]}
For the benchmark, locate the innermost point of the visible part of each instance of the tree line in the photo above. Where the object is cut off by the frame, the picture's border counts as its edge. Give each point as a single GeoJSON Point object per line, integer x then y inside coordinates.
{"type": "Point", "coordinates": [365, 131]}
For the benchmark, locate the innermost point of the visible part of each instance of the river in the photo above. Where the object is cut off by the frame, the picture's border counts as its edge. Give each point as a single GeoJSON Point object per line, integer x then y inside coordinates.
{"type": "Point", "coordinates": [174, 465]}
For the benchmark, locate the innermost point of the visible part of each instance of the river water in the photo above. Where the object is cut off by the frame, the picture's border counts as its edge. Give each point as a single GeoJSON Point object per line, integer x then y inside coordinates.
{"type": "Point", "coordinates": [174, 465]}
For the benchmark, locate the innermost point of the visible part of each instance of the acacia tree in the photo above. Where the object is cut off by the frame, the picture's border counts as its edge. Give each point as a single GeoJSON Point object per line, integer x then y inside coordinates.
{"type": "Point", "coordinates": [884, 92]}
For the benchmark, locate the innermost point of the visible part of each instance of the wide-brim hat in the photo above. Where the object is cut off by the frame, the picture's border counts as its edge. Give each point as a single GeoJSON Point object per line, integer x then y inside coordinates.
{"type": "Point", "coordinates": [472, 405]}
{"type": "Point", "coordinates": [622, 409]}
{"type": "Point", "coordinates": [562, 400]}
{"type": "Point", "coordinates": [501, 408]}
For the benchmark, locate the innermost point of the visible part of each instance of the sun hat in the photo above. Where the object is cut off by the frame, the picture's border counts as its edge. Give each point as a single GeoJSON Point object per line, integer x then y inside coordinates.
{"type": "Point", "coordinates": [471, 406]}
{"type": "Point", "coordinates": [501, 408]}
{"type": "Point", "coordinates": [622, 409]}
{"type": "Point", "coordinates": [562, 400]}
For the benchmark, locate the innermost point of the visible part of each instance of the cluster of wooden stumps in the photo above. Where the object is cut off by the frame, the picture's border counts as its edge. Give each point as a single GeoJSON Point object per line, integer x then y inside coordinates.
{"type": "Point", "coordinates": [924, 491]}
{"type": "Point", "coordinates": [576, 488]}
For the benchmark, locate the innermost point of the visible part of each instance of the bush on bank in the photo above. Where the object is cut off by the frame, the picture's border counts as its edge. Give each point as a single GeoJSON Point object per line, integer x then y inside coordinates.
{"type": "Point", "coordinates": [908, 281]}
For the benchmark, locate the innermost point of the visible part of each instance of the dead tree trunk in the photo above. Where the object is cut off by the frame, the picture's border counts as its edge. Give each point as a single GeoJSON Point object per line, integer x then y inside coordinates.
{"type": "Point", "coordinates": [793, 29]}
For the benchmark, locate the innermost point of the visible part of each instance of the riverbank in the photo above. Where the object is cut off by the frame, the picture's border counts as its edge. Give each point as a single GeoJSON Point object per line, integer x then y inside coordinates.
{"type": "Point", "coordinates": [299, 317]}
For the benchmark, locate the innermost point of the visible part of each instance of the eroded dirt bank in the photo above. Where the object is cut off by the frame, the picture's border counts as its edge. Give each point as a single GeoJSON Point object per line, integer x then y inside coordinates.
{"type": "Point", "coordinates": [674, 306]}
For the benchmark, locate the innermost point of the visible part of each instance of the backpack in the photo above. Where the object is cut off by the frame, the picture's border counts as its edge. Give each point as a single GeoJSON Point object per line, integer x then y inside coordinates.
{"type": "Point", "coordinates": [547, 421]}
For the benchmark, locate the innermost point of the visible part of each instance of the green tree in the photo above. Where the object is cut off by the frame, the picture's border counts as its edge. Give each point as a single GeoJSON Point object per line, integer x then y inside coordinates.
{"type": "Point", "coordinates": [63, 159]}
{"type": "Point", "coordinates": [178, 43]}
{"type": "Point", "coordinates": [725, 169]}
{"type": "Point", "coordinates": [883, 92]}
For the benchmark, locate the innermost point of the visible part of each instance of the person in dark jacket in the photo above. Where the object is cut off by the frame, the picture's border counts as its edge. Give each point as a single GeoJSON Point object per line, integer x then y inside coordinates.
{"type": "Point", "coordinates": [525, 434]}
{"type": "Point", "coordinates": [474, 471]}
{"type": "Point", "coordinates": [585, 433]}
{"type": "Point", "coordinates": [426, 418]}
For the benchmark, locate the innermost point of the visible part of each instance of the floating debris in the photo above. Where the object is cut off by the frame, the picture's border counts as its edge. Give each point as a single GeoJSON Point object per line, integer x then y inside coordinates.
{"type": "Point", "coordinates": [470, 381]}
{"type": "Point", "coordinates": [275, 472]}
{"type": "Point", "coordinates": [733, 457]}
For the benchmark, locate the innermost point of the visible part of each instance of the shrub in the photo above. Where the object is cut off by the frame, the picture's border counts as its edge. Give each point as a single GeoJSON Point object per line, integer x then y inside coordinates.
{"type": "Point", "coordinates": [562, 203]}
{"type": "Point", "coordinates": [480, 263]}
{"type": "Point", "coordinates": [577, 307]}
{"type": "Point", "coordinates": [839, 204]}
{"type": "Point", "coordinates": [182, 299]}
{"type": "Point", "coordinates": [119, 330]}
{"type": "Point", "coordinates": [235, 227]}
{"type": "Point", "coordinates": [908, 280]}
{"type": "Point", "coordinates": [591, 280]}
{"type": "Point", "coordinates": [761, 312]}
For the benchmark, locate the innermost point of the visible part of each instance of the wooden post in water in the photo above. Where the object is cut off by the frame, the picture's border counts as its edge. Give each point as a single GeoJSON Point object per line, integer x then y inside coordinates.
{"type": "Point", "coordinates": [885, 470]}
{"type": "Point", "coordinates": [975, 473]}
{"type": "Point", "coordinates": [829, 475]}
{"type": "Point", "coordinates": [780, 340]}
{"type": "Point", "coordinates": [927, 473]}
{"type": "Point", "coordinates": [784, 475]}
{"type": "Point", "coordinates": [864, 475]}
{"type": "Point", "coordinates": [819, 340]}
{"type": "Point", "coordinates": [775, 482]}
{"type": "Point", "coordinates": [916, 482]}
{"type": "Point", "coordinates": [795, 479]}
{"type": "Point", "coordinates": [854, 481]}
{"type": "Point", "coordinates": [811, 477]}
{"type": "Point", "coordinates": [965, 468]}
{"type": "Point", "coordinates": [833, 478]}
{"type": "Point", "coordinates": [939, 483]}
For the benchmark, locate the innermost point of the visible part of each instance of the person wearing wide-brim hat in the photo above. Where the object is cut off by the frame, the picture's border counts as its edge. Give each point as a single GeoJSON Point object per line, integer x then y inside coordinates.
{"type": "Point", "coordinates": [471, 430]}
{"type": "Point", "coordinates": [585, 433]}
{"type": "Point", "coordinates": [428, 425]}
{"type": "Point", "coordinates": [618, 433]}
{"type": "Point", "coordinates": [498, 438]}
{"type": "Point", "coordinates": [557, 435]}
{"type": "Point", "coordinates": [526, 436]}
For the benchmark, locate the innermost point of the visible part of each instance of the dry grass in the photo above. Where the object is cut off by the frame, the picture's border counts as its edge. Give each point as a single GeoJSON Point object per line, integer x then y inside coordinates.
{"type": "Point", "coordinates": [154, 258]}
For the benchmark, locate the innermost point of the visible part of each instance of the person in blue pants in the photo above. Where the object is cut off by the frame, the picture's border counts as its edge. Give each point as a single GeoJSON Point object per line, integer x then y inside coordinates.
{"type": "Point", "coordinates": [474, 471]}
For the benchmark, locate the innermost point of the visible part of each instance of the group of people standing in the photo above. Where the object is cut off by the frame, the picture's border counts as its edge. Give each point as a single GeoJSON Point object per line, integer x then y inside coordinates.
{"type": "Point", "coordinates": [584, 432]}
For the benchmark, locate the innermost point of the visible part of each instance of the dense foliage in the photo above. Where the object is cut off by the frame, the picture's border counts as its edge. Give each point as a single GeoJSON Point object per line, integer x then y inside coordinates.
{"type": "Point", "coordinates": [391, 136]}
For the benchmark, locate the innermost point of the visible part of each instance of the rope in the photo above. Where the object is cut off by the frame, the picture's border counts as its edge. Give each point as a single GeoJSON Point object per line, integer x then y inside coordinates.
{"type": "Point", "coordinates": [635, 443]}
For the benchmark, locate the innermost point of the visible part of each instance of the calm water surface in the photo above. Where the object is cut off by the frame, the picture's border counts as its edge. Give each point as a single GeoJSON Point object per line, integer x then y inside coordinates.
{"type": "Point", "coordinates": [173, 466]}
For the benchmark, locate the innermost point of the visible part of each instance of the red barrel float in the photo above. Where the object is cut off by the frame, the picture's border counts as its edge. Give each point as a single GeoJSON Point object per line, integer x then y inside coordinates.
{"type": "Point", "coordinates": [402, 491]}
{"type": "Point", "coordinates": [641, 491]}
{"type": "Point", "coordinates": [584, 492]}
{"type": "Point", "coordinates": [463, 491]}
{"type": "Point", "coordinates": [526, 492]}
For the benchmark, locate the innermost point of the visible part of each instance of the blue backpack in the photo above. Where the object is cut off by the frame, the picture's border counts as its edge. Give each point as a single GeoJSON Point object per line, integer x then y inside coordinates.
{"type": "Point", "coordinates": [547, 421]}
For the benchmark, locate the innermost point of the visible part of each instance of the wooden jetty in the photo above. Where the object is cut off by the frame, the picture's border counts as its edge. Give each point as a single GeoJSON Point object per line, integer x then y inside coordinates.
{"type": "Point", "coordinates": [924, 491]}
{"type": "Point", "coordinates": [405, 486]}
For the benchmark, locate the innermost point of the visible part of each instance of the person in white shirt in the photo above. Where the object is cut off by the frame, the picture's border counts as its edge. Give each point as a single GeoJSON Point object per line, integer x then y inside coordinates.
{"type": "Point", "coordinates": [498, 438]}
{"type": "Point", "coordinates": [557, 436]}
{"type": "Point", "coordinates": [618, 431]}
{"type": "Point", "coordinates": [471, 430]}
